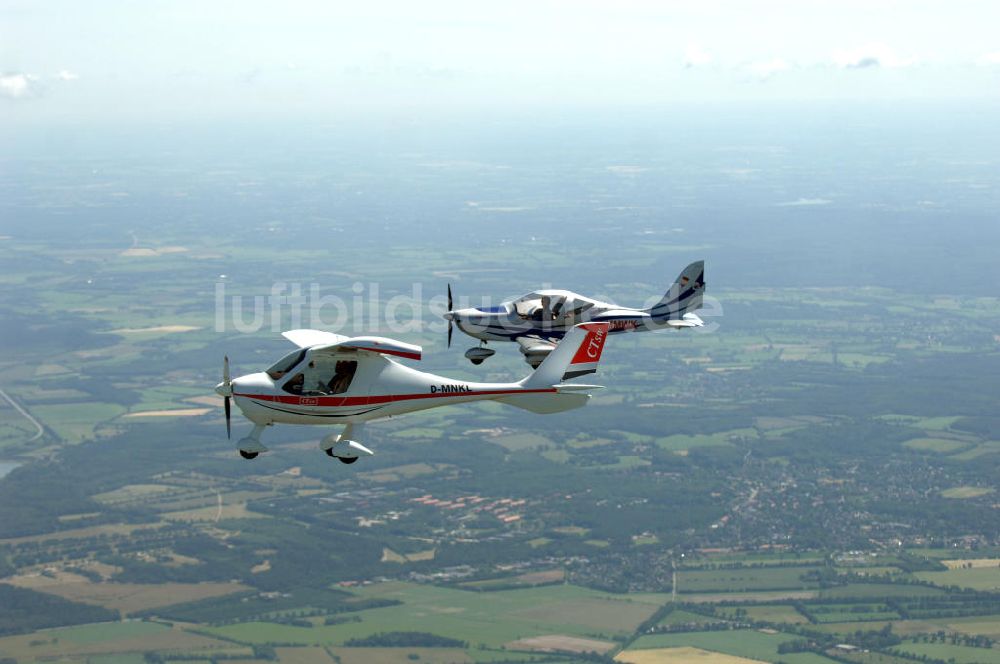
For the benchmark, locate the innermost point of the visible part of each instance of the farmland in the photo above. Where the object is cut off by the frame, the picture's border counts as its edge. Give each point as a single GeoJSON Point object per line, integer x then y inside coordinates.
{"type": "Point", "coordinates": [816, 469]}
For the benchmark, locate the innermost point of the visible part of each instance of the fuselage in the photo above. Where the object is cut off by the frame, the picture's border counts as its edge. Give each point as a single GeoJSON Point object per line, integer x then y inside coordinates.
{"type": "Point", "coordinates": [509, 325]}
{"type": "Point", "coordinates": [380, 388]}
{"type": "Point", "coordinates": [548, 314]}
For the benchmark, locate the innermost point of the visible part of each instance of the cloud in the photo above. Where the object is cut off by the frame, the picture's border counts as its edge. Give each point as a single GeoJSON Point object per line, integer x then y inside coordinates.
{"type": "Point", "coordinates": [989, 58]}
{"type": "Point", "coordinates": [695, 56]}
{"type": "Point", "coordinates": [19, 85]}
{"type": "Point", "coordinates": [765, 69]}
{"type": "Point", "coordinates": [869, 56]}
{"type": "Point", "coordinates": [805, 202]}
{"type": "Point", "coordinates": [67, 75]}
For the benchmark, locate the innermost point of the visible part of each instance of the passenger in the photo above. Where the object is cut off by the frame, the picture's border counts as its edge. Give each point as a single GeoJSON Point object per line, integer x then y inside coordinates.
{"type": "Point", "coordinates": [341, 381]}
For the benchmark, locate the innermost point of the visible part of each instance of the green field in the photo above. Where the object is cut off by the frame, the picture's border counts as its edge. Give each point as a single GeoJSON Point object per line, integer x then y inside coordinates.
{"type": "Point", "coordinates": [125, 659]}
{"type": "Point", "coordinates": [773, 613]}
{"type": "Point", "coordinates": [874, 658]}
{"type": "Point", "coordinates": [982, 449]}
{"type": "Point", "coordinates": [966, 492]}
{"type": "Point", "coordinates": [75, 422]}
{"type": "Point", "coordinates": [743, 579]}
{"type": "Point", "coordinates": [111, 631]}
{"type": "Point", "coordinates": [742, 643]}
{"type": "Point", "coordinates": [833, 613]}
{"type": "Point", "coordinates": [682, 617]}
{"type": "Point", "coordinates": [977, 578]}
{"type": "Point", "coordinates": [522, 441]}
{"type": "Point", "coordinates": [865, 590]}
{"type": "Point", "coordinates": [979, 625]}
{"type": "Point", "coordinates": [942, 445]}
{"type": "Point", "coordinates": [758, 558]}
{"type": "Point", "coordinates": [490, 620]}
{"type": "Point", "coordinates": [948, 652]}
{"type": "Point", "coordinates": [679, 442]}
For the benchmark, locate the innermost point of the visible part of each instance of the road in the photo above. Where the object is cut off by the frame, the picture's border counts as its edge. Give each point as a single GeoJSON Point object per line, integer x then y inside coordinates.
{"type": "Point", "coordinates": [18, 408]}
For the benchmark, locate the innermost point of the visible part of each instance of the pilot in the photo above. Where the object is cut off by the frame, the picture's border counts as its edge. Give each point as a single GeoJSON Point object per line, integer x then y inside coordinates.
{"type": "Point", "coordinates": [544, 312]}
{"type": "Point", "coordinates": [295, 384]}
{"type": "Point", "coordinates": [320, 386]}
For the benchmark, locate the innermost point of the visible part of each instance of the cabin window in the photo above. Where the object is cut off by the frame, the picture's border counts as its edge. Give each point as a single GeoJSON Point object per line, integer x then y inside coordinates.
{"type": "Point", "coordinates": [294, 384]}
{"type": "Point", "coordinates": [343, 376]}
{"type": "Point", "coordinates": [286, 364]}
{"type": "Point", "coordinates": [323, 380]}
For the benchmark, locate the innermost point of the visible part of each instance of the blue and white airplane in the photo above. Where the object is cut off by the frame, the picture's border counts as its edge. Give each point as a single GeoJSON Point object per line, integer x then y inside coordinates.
{"type": "Point", "coordinates": [539, 320]}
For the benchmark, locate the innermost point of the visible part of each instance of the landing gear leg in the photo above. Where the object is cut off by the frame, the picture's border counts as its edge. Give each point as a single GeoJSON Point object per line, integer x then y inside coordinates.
{"type": "Point", "coordinates": [342, 447]}
{"type": "Point", "coordinates": [251, 446]}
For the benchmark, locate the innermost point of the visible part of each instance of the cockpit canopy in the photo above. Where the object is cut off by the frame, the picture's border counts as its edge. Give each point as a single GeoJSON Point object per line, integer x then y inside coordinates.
{"type": "Point", "coordinates": [551, 305]}
{"type": "Point", "coordinates": [286, 364]}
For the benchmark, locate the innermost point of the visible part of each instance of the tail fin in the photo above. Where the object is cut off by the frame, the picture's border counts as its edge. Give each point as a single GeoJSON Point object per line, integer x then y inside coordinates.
{"type": "Point", "coordinates": [684, 296]}
{"type": "Point", "coordinates": [577, 354]}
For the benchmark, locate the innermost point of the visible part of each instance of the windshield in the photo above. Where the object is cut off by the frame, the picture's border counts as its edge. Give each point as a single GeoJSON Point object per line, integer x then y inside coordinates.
{"type": "Point", "coordinates": [286, 364]}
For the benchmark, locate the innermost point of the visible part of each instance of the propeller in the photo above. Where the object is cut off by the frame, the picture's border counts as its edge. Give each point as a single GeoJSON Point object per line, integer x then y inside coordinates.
{"type": "Point", "coordinates": [451, 323]}
{"type": "Point", "coordinates": [227, 392]}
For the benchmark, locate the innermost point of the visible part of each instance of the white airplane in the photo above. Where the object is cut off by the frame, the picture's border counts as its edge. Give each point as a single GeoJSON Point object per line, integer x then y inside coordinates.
{"type": "Point", "coordinates": [538, 320]}
{"type": "Point", "coordinates": [333, 379]}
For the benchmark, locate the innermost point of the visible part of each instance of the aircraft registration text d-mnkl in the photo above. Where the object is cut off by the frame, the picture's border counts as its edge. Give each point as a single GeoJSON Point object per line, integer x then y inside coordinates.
{"type": "Point", "coordinates": [538, 320]}
{"type": "Point", "coordinates": [333, 379]}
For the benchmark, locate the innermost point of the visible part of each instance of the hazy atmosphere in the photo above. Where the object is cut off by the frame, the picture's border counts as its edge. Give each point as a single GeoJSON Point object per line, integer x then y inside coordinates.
{"type": "Point", "coordinates": [768, 229]}
{"type": "Point", "coordinates": [112, 62]}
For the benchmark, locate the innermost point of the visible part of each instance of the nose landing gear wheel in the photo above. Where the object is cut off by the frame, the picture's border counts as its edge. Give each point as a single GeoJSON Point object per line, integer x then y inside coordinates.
{"type": "Point", "coordinates": [249, 455]}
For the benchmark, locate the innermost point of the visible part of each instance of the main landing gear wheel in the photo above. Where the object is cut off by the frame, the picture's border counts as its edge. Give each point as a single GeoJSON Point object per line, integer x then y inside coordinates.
{"type": "Point", "coordinates": [330, 453]}
{"type": "Point", "coordinates": [249, 455]}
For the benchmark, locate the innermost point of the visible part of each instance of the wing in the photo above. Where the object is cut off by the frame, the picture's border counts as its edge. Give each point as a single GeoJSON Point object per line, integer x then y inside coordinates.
{"type": "Point", "coordinates": [380, 345]}
{"type": "Point", "coordinates": [535, 349]}
{"type": "Point", "coordinates": [310, 338]}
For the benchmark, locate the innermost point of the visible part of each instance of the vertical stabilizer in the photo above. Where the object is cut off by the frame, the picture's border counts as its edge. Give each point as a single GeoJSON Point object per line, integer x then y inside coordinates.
{"type": "Point", "coordinates": [576, 355]}
{"type": "Point", "coordinates": [684, 296]}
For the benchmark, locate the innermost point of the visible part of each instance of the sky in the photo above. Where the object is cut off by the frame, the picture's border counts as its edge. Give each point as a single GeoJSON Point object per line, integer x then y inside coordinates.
{"type": "Point", "coordinates": [66, 61]}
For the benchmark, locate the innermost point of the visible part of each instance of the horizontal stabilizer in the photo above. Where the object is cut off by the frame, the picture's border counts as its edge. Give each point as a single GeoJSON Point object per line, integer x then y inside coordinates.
{"type": "Point", "coordinates": [546, 403]}
{"type": "Point", "coordinates": [574, 387]}
{"type": "Point", "coordinates": [688, 320]}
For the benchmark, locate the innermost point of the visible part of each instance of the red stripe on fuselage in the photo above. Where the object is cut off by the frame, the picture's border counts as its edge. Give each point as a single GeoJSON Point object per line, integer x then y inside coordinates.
{"type": "Point", "coordinates": [334, 402]}
{"type": "Point", "coordinates": [385, 351]}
